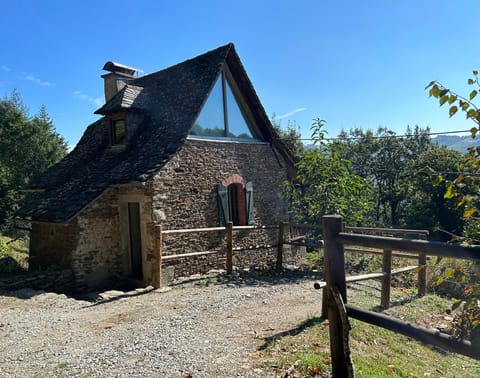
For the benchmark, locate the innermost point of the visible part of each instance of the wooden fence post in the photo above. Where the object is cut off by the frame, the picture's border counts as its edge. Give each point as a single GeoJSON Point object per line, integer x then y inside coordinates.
{"type": "Point", "coordinates": [422, 273]}
{"type": "Point", "coordinates": [281, 229]}
{"type": "Point", "coordinates": [157, 268]}
{"type": "Point", "coordinates": [386, 279]}
{"type": "Point", "coordinates": [342, 365]}
{"type": "Point", "coordinates": [229, 262]}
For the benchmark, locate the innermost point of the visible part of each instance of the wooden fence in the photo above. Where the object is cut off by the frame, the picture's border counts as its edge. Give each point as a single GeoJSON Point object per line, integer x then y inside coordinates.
{"type": "Point", "coordinates": [160, 234]}
{"type": "Point", "coordinates": [387, 272]}
{"type": "Point", "coordinates": [338, 310]}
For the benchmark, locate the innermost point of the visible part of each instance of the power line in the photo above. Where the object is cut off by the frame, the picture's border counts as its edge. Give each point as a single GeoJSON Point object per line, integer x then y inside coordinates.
{"type": "Point", "coordinates": [393, 136]}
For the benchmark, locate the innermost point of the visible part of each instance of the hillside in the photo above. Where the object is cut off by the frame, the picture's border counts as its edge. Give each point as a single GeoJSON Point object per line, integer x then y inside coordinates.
{"type": "Point", "coordinates": [456, 142]}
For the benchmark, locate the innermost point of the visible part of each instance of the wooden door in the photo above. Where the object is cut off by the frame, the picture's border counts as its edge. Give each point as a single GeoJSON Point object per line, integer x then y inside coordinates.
{"type": "Point", "coordinates": [135, 239]}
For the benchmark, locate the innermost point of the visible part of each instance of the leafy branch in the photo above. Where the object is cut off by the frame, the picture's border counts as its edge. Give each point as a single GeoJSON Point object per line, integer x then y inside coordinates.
{"type": "Point", "coordinates": [456, 101]}
{"type": "Point", "coordinates": [465, 188]}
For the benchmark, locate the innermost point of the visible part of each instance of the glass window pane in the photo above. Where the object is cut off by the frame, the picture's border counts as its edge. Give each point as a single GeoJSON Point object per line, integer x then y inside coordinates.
{"type": "Point", "coordinates": [119, 131]}
{"type": "Point", "coordinates": [210, 121]}
{"type": "Point", "coordinates": [237, 124]}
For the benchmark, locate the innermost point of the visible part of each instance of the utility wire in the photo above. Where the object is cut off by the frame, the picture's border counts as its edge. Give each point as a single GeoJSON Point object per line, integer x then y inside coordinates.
{"type": "Point", "coordinates": [394, 136]}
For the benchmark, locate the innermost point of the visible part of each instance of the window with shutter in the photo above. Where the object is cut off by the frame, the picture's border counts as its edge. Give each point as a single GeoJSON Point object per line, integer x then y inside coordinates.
{"type": "Point", "coordinates": [235, 204]}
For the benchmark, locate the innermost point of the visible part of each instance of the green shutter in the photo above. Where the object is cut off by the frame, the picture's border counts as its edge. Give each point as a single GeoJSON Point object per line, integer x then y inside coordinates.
{"type": "Point", "coordinates": [249, 198]}
{"type": "Point", "coordinates": [222, 204]}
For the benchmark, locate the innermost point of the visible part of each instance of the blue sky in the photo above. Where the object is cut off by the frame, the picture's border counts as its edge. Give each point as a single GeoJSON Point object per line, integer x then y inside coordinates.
{"type": "Point", "coordinates": [352, 63]}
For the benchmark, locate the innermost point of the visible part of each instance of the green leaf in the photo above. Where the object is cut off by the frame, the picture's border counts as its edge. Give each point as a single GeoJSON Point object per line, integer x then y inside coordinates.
{"type": "Point", "coordinates": [449, 273]}
{"type": "Point", "coordinates": [475, 72]}
{"type": "Point", "coordinates": [472, 113]}
{"type": "Point", "coordinates": [443, 100]}
{"type": "Point", "coordinates": [452, 99]}
{"type": "Point", "coordinates": [451, 192]}
{"type": "Point", "coordinates": [439, 281]}
{"type": "Point", "coordinates": [437, 180]}
{"type": "Point", "coordinates": [473, 94]}
{"type": "Point", "coordinates": [434, 91]}
{"type": "Point", "coordinates": [469, 211]}
{"type": "Point", "coordinates": [470, 81]}
{"type": "Point", "coordinates": [465, 105]}
{"type": "Point", "coordinates": [460, 201]}
{"type": "Point", "coordinates": [453, 110]}
{"type": "Point", "coordinates": [473, 130]}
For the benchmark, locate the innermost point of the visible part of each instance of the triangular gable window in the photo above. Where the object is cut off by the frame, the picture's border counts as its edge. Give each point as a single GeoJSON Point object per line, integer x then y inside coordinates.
{"type": "Point", "coordinates": [222, 115]}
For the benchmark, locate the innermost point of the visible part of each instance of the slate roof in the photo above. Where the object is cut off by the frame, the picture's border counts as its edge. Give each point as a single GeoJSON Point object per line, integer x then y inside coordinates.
{"type": "Point", "coordinates": [170, 101]}
{"type": "Point", "coordinates": [129, 97]}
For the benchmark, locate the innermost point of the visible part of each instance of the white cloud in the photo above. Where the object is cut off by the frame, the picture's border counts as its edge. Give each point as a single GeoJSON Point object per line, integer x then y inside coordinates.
{"type": "Point", "coordinates": [36, 80]}
{"type": "Point", "coordinates": [5, 68]}
{"type": "Point", "coordinates": [98, 101]}
{"type": "Point", "coordinates": [290, 113]}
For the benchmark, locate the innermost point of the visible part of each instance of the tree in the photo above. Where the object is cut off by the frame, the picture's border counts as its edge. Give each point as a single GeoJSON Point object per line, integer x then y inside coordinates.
{"type": "Point", "coordinates": [426, 206]}
{"type": "Point", "coordinates": [382, 159]}
{"type": "Point", "coordinates": [325, 185]}
{"type": "Point", "coordinates": [291, 137]}
{"type": "Point", "coordinates": [30, 145]}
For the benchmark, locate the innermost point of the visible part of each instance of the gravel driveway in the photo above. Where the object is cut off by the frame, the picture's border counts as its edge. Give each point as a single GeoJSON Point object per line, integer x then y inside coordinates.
{"type": "Point", "coordinates": [202, 327]}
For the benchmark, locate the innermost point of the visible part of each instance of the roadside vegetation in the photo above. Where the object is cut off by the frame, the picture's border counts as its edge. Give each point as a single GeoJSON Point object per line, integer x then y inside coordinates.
{"type": "Point", "coordinates": [13, 256]}
{"type": "Point", "coordinates": [376, 352]}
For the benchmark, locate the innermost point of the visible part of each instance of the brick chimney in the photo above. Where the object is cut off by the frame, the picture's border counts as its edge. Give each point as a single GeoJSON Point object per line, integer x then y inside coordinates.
{"type": "Point", "coordinates": [119, 76]}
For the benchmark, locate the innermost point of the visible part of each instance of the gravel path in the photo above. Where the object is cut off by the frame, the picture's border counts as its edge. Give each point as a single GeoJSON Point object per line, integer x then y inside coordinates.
{"type": "Point", "coordinates": [204, 327]}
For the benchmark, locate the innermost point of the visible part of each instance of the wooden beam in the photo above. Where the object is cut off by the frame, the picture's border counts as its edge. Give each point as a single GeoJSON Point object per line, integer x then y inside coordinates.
{"type": "Point", "coordinates": [301, 237]}
{"type": "Point", "coordinates": [364, 277]}
{"type": "Point", "coordinates": [392, 231]}
{"type": "Point", "coordinates": [281, 238]}
{"type": "Point", "coordinates": [215, 229]}
{"type": "Point", "coordinates": [192, 254]}
{"type": "Point", "coordinates": [334, 271]}
{"type": "Point", "coordinates": [157, 265]}
{"type": "Point", "coordinates": [395, 254]}
{"type": "Point", "coordinates": [229, 262]}
{"type": "Point", "coordinates": [404, 269]}
{"type": "Point", "coordinates": [421, 246]}
{"type": "Point", "coordinates": [304, 244]}
{"type": "Point", "coordinates": [386, 279]}
{"type": "Point", "coordinates": [427, 336]}
{"type": "Point", "coordinates": [193, 230]}
{"type": "Point", "coordinates": [422, 273]}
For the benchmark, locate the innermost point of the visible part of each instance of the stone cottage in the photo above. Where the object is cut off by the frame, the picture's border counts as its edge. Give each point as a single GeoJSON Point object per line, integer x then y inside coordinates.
{"type": "Point", "coordinates": [186, 147]}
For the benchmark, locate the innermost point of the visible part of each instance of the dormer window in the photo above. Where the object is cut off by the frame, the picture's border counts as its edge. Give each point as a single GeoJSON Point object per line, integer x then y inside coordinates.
{"type": "Point", "coordinates": [118, 131]}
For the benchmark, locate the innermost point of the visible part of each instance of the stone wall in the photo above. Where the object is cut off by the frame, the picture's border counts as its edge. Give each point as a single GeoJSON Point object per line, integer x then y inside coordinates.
{"type": "Point", "coordinates": [52, 244]}
{"type": "Point", "coordinates": [102, 255]}
{"type": "Point", "coordinates": [185, 196]}
{"type": "Point", "coordinates": [182, 194]}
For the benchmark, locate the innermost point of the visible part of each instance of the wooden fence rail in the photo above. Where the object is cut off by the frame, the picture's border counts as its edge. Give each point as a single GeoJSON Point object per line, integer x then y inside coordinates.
{"type": "Point", "coordinates": [336, 291]}
{"type": "Point", "coordinates": [229, 247]}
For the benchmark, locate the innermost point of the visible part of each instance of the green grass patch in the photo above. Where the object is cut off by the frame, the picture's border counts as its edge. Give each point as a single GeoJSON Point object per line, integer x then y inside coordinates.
{"type": "Point", "coordinates": [376, 352]}
{"type": "Point", "coordinates": [13, 255]}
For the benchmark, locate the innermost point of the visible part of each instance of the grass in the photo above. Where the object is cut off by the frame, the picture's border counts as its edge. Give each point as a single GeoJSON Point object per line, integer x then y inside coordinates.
{"type": "Point", "coordinates": [13, 255]}
{"type": "Point", "coordinates": [376, 352]}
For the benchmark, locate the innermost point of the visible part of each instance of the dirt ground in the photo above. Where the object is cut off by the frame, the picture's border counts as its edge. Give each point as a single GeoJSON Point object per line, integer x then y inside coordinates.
{"type": "Point", "coordinates": [209, 326]}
